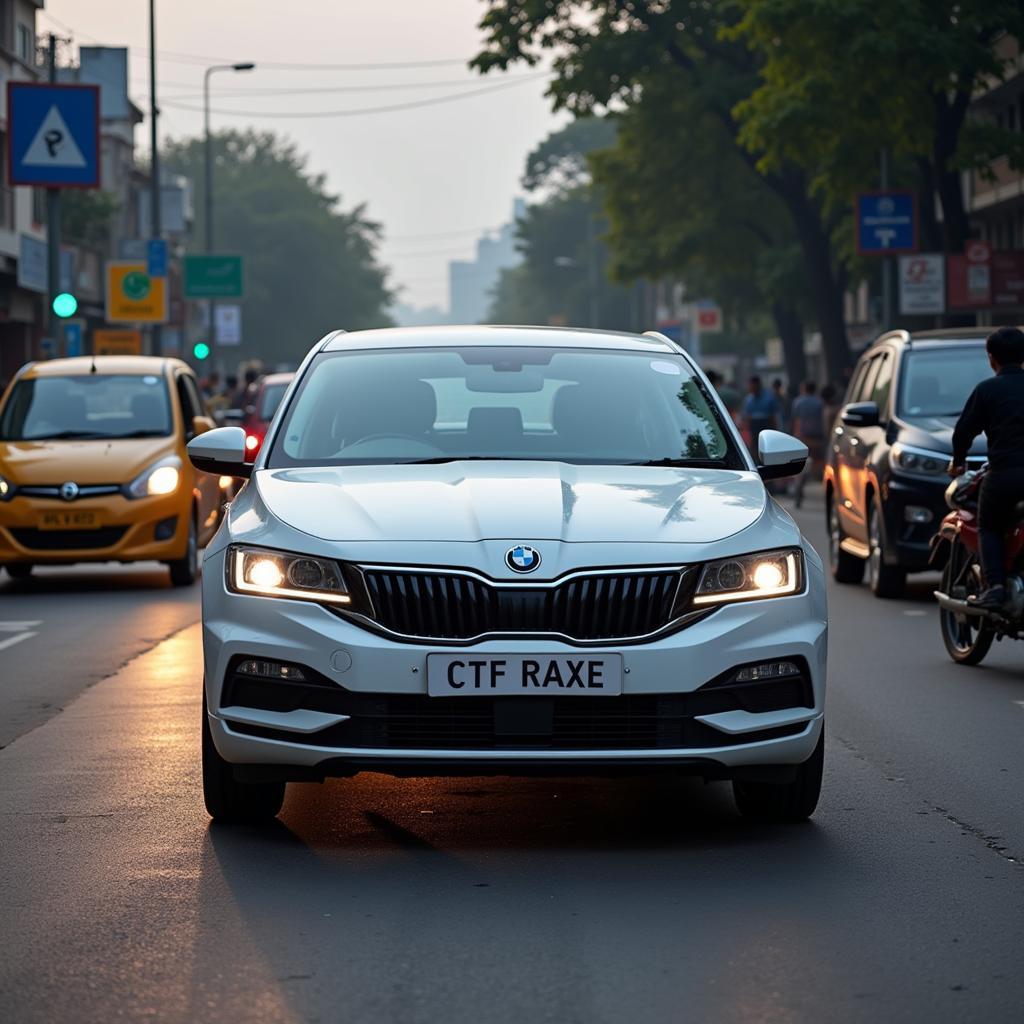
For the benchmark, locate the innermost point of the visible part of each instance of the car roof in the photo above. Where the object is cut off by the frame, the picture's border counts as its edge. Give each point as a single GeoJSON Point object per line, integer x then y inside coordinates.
{"type": "Point", "coordinates": [82, 366]}
{"type": "Point", "coordinates": [276, 378]}
{"type": "Point", "coordinates": [480, 335]}
{"type": "Point", "coordinates": [934, 338]}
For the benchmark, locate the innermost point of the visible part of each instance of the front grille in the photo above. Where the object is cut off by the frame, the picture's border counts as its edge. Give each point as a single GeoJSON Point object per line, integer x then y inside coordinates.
{"type": "Point", "coordinates": [591, 607]}
{"type": "Point", "coordinates": [53, 491]}
{"type": "Point", "coordinates": [67, 540]}
{"type": "Point", "coordinates": [417, 721]}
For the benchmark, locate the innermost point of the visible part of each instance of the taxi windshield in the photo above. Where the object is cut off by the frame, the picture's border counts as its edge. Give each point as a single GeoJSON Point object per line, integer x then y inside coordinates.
{"type": "Point", "coordinates": [95, 407]}
{"type": "Point", "coordinates": [443, 405]}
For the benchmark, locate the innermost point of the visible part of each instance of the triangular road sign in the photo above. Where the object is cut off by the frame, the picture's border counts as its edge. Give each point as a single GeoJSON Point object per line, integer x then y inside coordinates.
{"type": "Point", "coordinates": [53, 144]}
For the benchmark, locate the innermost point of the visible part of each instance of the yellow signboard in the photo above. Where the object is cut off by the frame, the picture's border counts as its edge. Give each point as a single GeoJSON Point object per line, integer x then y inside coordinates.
{"type": "Point", "coordinates": [117, 342]}
{"type": "Point", "coordinates": [133, 297]}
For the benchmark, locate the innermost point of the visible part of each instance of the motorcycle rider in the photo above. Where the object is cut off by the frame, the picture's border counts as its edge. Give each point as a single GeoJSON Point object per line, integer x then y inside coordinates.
{"type": "Point", "coordinates": [996, 407]}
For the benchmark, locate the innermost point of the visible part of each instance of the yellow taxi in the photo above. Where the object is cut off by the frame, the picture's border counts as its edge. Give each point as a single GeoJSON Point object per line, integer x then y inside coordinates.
{"type": "Point", "coordinates": [93, 466]}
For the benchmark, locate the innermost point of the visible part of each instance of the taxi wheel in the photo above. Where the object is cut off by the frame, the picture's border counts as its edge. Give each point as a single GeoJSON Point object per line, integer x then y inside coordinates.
{"type": "Point", "coordinates": [228, 800]}
{"type": "Point", "coordinates": [788, 801]}
{"type": "Point", "coordinates": [184, 570]}
{"type": "Point", "coordinates": [20, 570]}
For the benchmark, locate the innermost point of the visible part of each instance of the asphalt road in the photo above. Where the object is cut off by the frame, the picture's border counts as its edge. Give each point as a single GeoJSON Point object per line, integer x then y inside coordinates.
{"type": "Point", "coordinates": [498, 899]}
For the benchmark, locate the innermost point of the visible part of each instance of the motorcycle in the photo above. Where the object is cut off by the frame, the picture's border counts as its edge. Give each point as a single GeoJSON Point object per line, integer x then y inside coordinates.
{"type": "Point", "coordinates": [968, 631]}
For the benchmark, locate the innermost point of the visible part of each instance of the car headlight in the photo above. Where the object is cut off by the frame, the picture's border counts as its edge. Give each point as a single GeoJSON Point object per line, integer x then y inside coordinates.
{"type": "Point", "coordinates": [746, 577]}
{"type": "Point", "coordinates": [276, 574]}
{"type": "Point", "coordinates": [918, 462]}
{"type": "Point", "coordinates": [6, 489]}
{"type": "Point", "coordinates": [162, 477]}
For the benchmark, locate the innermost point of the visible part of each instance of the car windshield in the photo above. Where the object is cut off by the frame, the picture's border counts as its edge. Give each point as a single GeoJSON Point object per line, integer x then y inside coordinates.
{"type": "Point", "coordinates": [438, 405]}
{"type": "Point", "coordinates": [94, 407]}
{"type": "Point", "coordinates": [272, 395]}
{"type": "Point", "coordinates": [937, 381]}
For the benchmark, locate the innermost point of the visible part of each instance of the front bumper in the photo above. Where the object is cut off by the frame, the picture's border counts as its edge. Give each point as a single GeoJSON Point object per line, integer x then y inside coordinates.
{"type": "Point", "coordinates": [365, 664]}
{"type": "Point", "coordinates": [909, 543]}
{"type": "Point", "coordinates": [124, 531]}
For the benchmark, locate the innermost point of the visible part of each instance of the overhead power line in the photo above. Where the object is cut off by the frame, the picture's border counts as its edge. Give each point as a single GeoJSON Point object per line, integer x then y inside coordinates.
{"type": "Point", "coordinates": [450, 98]}
{"type": "Point", "coordinates": [282, 65]}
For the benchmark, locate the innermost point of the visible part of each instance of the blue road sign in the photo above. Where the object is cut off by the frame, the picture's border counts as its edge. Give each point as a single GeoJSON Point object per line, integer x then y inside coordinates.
{"type": "Point", "coordinates": [72, 339]}
{"type": "Point", "coordinates": [156, 257]}
{"type": "Point", "coordinates": [53, 135]}
{"type": "Point", "coordinates": [886, 222]}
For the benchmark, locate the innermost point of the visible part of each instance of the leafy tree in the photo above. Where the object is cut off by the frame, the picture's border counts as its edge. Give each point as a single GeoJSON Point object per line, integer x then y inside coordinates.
{"type": "Point", "coordinates": [86, 216]}
{"type": "Point", "coordinates": [607, 53]}
{"type": "Point", "coordinates": [842, 80]}
{"type": "Point", "coordinates": [563, 278]}
{"type": "Point", "coordinates": [311, 266]}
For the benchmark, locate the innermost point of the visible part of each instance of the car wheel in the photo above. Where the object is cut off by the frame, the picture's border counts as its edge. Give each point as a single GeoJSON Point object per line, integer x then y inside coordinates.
{"type": "Point", "coordinates": [846, 568]}
{"type": "Point", "coordinates": [20, 570]}
{"type": "Point", "coordinates": [884, 580]}
{"type": "Point", "coordinates": [228, 800]}
{"type": "Point", "coordinates": [184, 570]}
{"type": "Point", "coordinates": [786, 801]}
{"type": "Point", "coordinates": [968, 638]}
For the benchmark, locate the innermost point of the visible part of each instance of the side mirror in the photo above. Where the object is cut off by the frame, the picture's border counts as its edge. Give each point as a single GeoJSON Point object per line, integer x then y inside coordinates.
{"type": "Point", "coordinates": [779, 455]}
{"type": "Point", "coordinates": [860, 414]}
{"type": "Point", "coordinates": [220, 451]}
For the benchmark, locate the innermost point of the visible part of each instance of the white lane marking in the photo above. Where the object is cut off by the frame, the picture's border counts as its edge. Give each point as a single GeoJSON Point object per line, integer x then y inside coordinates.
{"type": "Point", "coordinates": [10, 626]}
{"type": "Point", "coordinates": [15, 639]}
{"type": "Point", "coordinates": [915, 611]}
{"type": "Point", "coordinates": [1020, 704]}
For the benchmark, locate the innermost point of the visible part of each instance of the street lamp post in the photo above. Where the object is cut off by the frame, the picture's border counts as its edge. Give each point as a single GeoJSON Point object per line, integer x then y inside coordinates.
{"type": "Point", "coordinates": [209, 141]}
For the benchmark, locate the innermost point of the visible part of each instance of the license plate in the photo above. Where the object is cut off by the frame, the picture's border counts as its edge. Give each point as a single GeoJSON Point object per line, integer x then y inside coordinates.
{"type": "Point", "coordinates": [68, 520]}
{"type": "Point", "coordinates": [469, 675]}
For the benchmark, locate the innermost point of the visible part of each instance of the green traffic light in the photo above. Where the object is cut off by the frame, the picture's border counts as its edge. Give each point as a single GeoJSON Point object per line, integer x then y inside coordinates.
{"type": "Point", "coordinates": [65, 304]}
{"type": "Point", "coordinates": [201, 350]}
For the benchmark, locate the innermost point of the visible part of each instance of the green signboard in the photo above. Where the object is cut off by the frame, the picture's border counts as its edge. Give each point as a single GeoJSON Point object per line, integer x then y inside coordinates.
{"type": "Point", "coordinates": [213, 276]}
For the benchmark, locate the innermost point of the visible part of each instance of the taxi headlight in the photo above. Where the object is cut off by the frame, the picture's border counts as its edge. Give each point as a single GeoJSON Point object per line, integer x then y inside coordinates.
{"type": "Point", "coordinates": [6, 489]}
{"type": "Point", "coordinates": [162, 477]}
{"type": "Point", "coordinates": [746, 577]}
{"type": "Point", "coordinates": [277, 574]}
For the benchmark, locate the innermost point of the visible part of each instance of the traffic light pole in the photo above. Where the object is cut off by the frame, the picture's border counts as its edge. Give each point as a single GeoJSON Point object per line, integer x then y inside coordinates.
{"type": "Point", "coordinates": [52, 228]}
{"type": "Point", "coordinates": [155, 227]}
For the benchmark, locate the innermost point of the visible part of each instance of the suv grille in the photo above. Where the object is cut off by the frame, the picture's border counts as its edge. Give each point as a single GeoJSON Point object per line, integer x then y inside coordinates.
{"type": "Point", "coordinates": [591, 607]}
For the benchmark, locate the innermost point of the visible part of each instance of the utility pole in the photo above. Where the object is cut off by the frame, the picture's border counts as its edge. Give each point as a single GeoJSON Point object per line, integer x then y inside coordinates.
{"type": "Point", "coordinates": [52, 224]}
{"type": "Point", "coordinates": [155, 230]}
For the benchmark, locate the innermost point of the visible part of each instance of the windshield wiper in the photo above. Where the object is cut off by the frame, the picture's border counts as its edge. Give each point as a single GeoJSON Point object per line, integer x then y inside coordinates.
{"type": "Point", "coordinates": [438, 460]}
{"type": "Point", "coordinates": [68, 435]}
{"type": "Point", "coordinates": [136, 433]}
{"type": "Point", "coordinates": [683, 463]}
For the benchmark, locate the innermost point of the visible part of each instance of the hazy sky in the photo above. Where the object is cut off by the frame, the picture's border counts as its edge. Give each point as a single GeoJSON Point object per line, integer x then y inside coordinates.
{"type": "Point", "coordinates": [433, 176]}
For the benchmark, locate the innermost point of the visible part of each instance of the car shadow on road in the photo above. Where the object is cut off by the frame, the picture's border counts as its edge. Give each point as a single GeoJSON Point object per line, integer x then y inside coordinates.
{"type": "Point", "coordinates": [74, 580]}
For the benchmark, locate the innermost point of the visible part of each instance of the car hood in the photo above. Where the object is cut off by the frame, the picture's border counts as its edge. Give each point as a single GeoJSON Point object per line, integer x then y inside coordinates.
{"type": "Point", "coordinates": [474, 501]}
{"type": "Point", "coordinates": [936, 432]}
{"type": "Point", "coordinates": [85, 462]}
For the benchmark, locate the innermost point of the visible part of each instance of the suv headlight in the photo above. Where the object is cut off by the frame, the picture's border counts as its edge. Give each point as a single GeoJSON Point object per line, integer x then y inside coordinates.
{"type": "Point", "coordinates": [277, 574]}
{"type": "Point", "coordinates": [746, 577]}
{"type": "Point", "coordinates": [162, 477]}
{"type": "Point", "coordinates": [919, 462]}
{"type": "Point", "coordinates": [6, 489]}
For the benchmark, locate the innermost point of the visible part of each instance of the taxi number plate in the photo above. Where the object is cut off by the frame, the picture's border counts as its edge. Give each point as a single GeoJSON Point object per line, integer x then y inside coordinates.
{"type": "Point", "coordinates": [68, 521]}
{"type": "Point", "coordinates": [467, 675]}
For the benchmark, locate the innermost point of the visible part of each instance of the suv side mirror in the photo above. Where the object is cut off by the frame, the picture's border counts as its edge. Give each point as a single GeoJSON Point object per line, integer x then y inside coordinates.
{"type": "Point", "coordinates": [860, 414]}
{"type": "Point", "coordinates": [779, 455]}
{"type": "Point", "coordinates": [220, 451]}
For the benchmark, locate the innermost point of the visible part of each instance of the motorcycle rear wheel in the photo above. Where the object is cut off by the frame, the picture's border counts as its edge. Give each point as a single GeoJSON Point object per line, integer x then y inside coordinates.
{"type": "Point", "coordinates": [968, 638]}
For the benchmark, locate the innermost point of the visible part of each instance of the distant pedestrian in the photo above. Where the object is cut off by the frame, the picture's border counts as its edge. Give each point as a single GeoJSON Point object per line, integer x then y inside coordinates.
{"type": "Point", "coordinates": [782, 398]}
{"type": "Point", "coordinates": [808, 418]}
{"type": "Point", "coordinates": [760, 412]}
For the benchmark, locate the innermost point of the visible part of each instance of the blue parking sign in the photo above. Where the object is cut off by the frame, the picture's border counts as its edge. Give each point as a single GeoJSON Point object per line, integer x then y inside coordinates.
{"type": "Point", "coordinates": [53, 135]}
{"type": "Point", "coordinates": [886, 222]}
{"type": "Point", "coordinates": [156, 257]}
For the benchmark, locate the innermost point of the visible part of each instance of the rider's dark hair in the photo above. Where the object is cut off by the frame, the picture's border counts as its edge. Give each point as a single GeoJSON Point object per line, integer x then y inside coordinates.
{"type": "Point", "coordinates": [1006, 346]}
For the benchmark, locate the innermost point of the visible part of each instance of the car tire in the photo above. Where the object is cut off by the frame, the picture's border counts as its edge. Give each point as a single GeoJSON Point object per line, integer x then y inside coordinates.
{"type": "Point", "coordinates": [19, 570]}
{"type": "Point", "coordinates": [885, 580]}
{"type": "Point", "coordinates": [185, 570]}
{"type": "Point", "coordinates": [228, 800]}
{"type": "Point", "coordinates": [846, 568]}
{"type": "Point", "coordinates": [967, 639]}
{"type": "Point", "coordinates": [784, 802]}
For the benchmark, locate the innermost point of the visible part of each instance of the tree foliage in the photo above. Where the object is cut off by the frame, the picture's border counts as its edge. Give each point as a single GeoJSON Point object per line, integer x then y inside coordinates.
{"type": "Point", "coordinates": [86, 217]}
{"type": "Point", "coordinates": [311, 266]}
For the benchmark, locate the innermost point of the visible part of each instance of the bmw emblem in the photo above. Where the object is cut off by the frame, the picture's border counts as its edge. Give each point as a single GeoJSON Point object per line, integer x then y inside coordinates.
{"type": "Point", "coordinates": [522, 558]}
{"type": "Point", "coordinates": [69, 491]}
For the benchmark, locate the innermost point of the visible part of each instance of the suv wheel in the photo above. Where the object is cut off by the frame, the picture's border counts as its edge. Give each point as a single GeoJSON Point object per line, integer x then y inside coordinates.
{"type": "Point", "coordinates": [884, 580]}
{"type": "Point", "coordinates": [846, 568]}
{"type": "Point", "coordinates": [786, 801]}
{"type": "Point", "coordinates": [228, 800]}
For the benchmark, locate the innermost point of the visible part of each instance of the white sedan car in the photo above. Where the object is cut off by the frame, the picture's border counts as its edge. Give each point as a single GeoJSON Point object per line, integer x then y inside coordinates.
{"type": "Point", "coordinates": [507, 551]}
